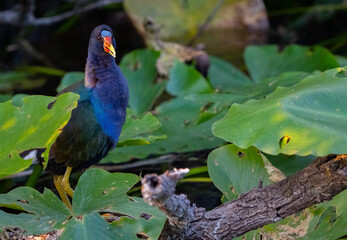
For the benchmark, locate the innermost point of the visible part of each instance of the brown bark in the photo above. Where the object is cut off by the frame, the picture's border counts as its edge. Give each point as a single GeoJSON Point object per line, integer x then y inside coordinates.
{"type": "Point", "coordinates": [321, 181]}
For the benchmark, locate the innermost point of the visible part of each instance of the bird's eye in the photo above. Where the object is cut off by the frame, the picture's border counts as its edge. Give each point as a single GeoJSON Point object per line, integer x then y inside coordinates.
{"type": "Point", "coordinates": [99, 38]}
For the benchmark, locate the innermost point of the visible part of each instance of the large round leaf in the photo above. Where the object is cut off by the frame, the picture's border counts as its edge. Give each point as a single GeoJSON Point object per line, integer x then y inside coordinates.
{"type": "Point", "coordinates": [307, 118]}
{"type": "Point", "coordinates": [32, 125]}
{"type": "Point", "coordinates": [267, 61]}
{"type": "Point", "coordinates": [41, 212]}
{"type": "Point", "coordinates": [97, 192]}
{"type": "Point", "coordinates": [227, 78]}
{"type": "Point", "coordinates": [101, 191]}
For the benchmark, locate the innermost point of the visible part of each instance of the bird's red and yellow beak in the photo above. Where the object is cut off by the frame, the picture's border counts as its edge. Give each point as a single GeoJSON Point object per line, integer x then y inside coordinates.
{"type": "Point", "coordinates": [108, 47]}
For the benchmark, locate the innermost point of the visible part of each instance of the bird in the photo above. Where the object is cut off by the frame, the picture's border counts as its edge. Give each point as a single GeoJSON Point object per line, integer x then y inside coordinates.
{"type": "Point", "coordinates": [96, 123]}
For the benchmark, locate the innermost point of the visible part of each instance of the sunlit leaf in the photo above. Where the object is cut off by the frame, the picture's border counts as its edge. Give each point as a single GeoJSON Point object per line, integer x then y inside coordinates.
{"type": "Point", "coordinates": [32, 124]}
{"type": "Point", "coordinates": [310, 113]}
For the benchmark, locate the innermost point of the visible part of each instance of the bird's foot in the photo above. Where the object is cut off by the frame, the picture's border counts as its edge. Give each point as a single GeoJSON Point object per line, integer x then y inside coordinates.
{"type": "Point", "coordinates": [65, 183]}
{"type": "Point", "coordinates": [62, 193]}
{"type": "Point", "coordinates": [62, 184]}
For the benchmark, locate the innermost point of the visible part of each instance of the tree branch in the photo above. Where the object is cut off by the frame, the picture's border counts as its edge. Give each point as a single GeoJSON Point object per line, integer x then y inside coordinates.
{"type": "Point", "coordinates": [15, 17]}
{"type": "Point", "coordinates": [321, 181]}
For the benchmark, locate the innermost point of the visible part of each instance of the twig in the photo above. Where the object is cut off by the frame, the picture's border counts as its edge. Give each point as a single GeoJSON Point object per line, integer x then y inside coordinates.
{"type": "Point", "coordinates": [207, 21]}
{"type": "Point", "coordinates": [151, 161]}
{"type": "Point", "coordinates": [12, 17]}
{"type": "Point", "coordinates": [32, 51]}
{"type": "Point", "coordinates": [112, 168]}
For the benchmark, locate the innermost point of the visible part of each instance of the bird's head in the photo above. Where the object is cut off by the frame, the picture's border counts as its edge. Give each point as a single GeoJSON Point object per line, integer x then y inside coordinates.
{"type": "Point", "coordinates": [102, 41]}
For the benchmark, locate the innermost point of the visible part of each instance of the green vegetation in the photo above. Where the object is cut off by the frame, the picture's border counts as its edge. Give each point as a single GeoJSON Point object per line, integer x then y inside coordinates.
{"type": "Point", "coordinates": [293, 109]}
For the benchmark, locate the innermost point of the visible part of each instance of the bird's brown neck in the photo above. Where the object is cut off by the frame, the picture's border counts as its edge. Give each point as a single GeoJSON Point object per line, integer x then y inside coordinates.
{"type": "Point", "coordinates": [94, 65]}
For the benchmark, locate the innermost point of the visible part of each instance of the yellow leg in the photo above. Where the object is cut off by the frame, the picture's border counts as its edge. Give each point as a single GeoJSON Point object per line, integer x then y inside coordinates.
{"type": "Point", "coordinates": [62, 193]}
{"type": "Point", "coordinates": [65, 182]}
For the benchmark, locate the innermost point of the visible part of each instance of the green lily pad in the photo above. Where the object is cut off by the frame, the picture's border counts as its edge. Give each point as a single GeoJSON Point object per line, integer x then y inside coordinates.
{"type": "Point", "coordinates": [139, 69]}
{"type": "Point", "coordinates": [178, 119]}
{"type": "Point", "coordinates": [31, 124]}
{"type": "Point", "coordinates": [290, 164]}
{"type": "Point", "coordinates": [267, 61]}
{"type": "Point", "coordinates": [100, 191]}
{"type": "Point", "coordinates": [329, 221]}
{"type": "Point", "coordinates": [309, 116]}
{"type": "Point", "coordinates": [136, 128]}
{"type": "Point", "coordinates": [235, 170]}
{"type": "Point", "coordinates": [97, 192]}
{"type": "Point", "coordinates": [179, 18]}
{"type": "Point", "coordinates": [42, 212]}
{"type": "Point", "coordinates": [227, 78]}
{"type": "Point", "coordinates": [184, 80]}
{"type": "Point", "coordinates": [322, 221]}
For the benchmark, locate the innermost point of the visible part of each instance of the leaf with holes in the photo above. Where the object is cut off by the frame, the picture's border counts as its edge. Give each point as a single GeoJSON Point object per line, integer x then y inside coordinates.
{"type": "Point", "coordinates": [42, 213]}
{"type": "Point", "coordinates": [322, 221]}
{"type": "Point", "coordinates": [31, 124]}
{"type": "Point", "coordinates": [235, 170]}
{"type": "Point", "coordinates": [329, 219]}
{"type": "Point", "coordinates": [101, 191]}
{"type": "Point", "coordinates": [307, 118]}
{"type": "Point", "coordinates": [97, 192]}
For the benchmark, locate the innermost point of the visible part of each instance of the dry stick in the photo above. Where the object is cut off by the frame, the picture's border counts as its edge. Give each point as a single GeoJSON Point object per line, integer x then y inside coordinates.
{"type": "Point", "coordinates": [12, 17]}
{"type": "Point", "coordinates": [112, 168]}
{"type": "Point", "coordinates": [208, 20]}
{"type": "Point", "coordinates": [151, 161]}
{"type": "Point", "coordinates": [319, 182]}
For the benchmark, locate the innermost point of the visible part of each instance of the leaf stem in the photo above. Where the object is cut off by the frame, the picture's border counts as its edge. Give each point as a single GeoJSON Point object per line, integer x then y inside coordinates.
{"type": "Point", "coordinates": [34, 176]}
